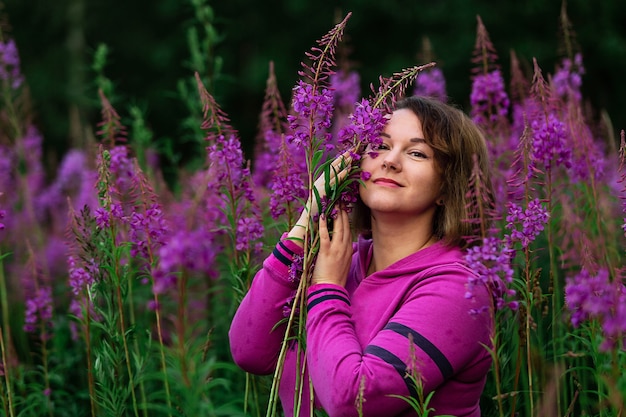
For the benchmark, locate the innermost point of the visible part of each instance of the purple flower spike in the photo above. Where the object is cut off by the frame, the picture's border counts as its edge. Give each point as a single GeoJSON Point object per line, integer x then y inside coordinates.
{"type": "Point", "coordinates": [10, 64]}
{"type": "Point", "coordinates": [346, 88]}
{"type": "Point", "coordinates": [366, 124]}
{"type": "Point", "coordinates": [492, 263]}
{"type": "Point", "coordinates": [488, 98]}
{"type": "Point", "coordinates": [596, 297]}
{"type": "Point", "coordinates": [431, 83]}
{"type": "Point", "coordinates": [80, 278]}
{"type": "Point", "coordinates": [314, 108]}
{"type": "Point", "coordinates": [550, 143]}
{"type": "Point", "coordinates": [3, 214]}
{"type": "Point", "coordinates": [38, 309]}
{"type": "Point", "coordinates": [532, 221]}
{"type": "Point", "coordinates": [567, 80]}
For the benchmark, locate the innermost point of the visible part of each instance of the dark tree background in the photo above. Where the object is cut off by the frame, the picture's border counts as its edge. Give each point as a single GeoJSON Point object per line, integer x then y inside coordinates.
{"type": "Point", "coordinates": [149, 53]}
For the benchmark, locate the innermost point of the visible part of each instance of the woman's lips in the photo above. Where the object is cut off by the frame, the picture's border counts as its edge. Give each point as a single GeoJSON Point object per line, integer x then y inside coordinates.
{"type": "Point", "coordinates": [386, 182]}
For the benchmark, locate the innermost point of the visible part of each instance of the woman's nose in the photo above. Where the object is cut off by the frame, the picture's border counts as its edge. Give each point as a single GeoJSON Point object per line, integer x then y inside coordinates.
{"type": "Point", "coordinates": [390, 162]}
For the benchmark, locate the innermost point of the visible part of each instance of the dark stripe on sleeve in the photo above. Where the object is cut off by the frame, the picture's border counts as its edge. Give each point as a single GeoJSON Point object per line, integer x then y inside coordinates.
{"type": "Point", "coordinates": [326, 297]}
{"type": "Point", "coordinates": [431, 350]}
{"type": "Point", "coordinates": [396, 362]}
{"type": "Point", "coordinates": [281, 257]}
{"type": "Point", "coordinates": [325, 290]}
{"type": "Point", "coordinates": [286, 249]}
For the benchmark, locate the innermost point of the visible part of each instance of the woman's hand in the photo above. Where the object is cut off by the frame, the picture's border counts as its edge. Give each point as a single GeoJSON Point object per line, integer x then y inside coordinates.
{"type": "Point", "coordinates": [339, 170]}
{"type": "Point", "coordinates": [335, 253]}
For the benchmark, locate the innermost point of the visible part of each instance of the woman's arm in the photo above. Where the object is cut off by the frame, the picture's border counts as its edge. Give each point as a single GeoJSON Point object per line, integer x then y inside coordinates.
{"type": "Point", "coordinates": [431, 334]}
{"type": "Point", "coordinates": [254, 342]}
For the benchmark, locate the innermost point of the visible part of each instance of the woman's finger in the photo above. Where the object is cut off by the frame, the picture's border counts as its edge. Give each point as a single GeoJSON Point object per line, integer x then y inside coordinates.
{"type": "Point", "coordinates": [323, 231]}
{"type": "Point", "coordinates": [347, 235]}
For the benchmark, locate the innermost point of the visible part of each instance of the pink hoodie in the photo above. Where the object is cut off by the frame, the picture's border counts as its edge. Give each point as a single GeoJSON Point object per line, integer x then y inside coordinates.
{"type": "Point", "coordinates": [367, 336]}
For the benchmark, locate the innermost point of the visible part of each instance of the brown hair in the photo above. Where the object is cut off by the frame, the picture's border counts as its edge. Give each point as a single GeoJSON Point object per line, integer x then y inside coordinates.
{"type": "Point", "coordinates": [457, 141]}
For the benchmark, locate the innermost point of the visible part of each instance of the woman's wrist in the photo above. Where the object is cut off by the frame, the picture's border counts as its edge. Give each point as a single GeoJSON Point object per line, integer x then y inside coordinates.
{"type": "Point", "coordinates": [297, 232]}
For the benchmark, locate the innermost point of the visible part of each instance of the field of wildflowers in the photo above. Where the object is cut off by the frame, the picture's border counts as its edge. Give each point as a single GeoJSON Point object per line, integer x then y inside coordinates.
{"type": "Point", "coordinates": [117, 288]}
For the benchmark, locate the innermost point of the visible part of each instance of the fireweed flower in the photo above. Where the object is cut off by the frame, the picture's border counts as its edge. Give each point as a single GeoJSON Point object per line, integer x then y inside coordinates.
{"type": "Point", "coordinates": [587, 159]}
{"type": "Point", "coordinates": [3, 214]}
{"type": "Point", "coordinates": [231, 180]}
{"type": "Point", "coordinates": [288, 183]}
{"type": "Point", "coordinates": [6, 168]}
{"type": "Point", "coordinates": [226, 159]}
{"type": "Point", "coordinates": [80, 278]}
{"type": "Point", "coordinates": [75, 180]}
{"type": "Point", "coordinates": [147, 231]}
{"type": "Point", "coordinates": [346, 92]}
{"type": "Point", "coordinates": [103, 218]}
{"type": "Point", "coordinates": [431, 83]}
{"type": "Point", "coordinates": [249, 229]}
{"type": "Point", "coordinates": [193, 251]}
{"type": "Point", "coordinates": [79, 309]}
{"type": "Point", "coordinates": [366, 124]}
{"type": "Point", "coordinates": [362, 132]}
{"type": "Point", "coordinates": [38, 310]}
{"type": "Point", "coordinates": [288, 306]}
{"type": "Point", "coordinates": [491, 263]}
{"type": "Point", "coordinates": [488, 98]}
{"type": "Point", "coordinates": [567, 80]}
{"type": "Point", "coordinates": [550, 143]}
{"type": "Point", "coordinates": [346, 88]}
{"type": "Point", "coordinates": [10, 64]}
{"type": "Point", "coordinates": [267, 159]}
{"type": "Point", "coordinates": [32, 150]}
{"type": "Point", "coordinates": [595, 297]}
{"type": "Point", "coordinates": [532, 222]}
{"type": "Point", "coordinates": [314, 110]}
{"type": "Point", "coordinates": [122, 168]}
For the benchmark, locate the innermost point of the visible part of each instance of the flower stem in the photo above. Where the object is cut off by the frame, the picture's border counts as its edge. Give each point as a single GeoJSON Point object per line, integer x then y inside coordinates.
{"type": "Point", "coordinates": [162, 355]}
{"type": "Point", "coordinates": [131, 314]}
{"type": "Point", "coordinates": [120, 308]}
{"type": "Point", "coordinates": [5, 335]}
{"type": "Point", "coordinates": [90, 380]}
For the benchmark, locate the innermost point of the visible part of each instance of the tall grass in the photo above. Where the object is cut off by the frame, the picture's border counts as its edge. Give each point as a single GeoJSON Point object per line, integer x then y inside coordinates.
{"type": "Point", "coordinates": [117, 289]}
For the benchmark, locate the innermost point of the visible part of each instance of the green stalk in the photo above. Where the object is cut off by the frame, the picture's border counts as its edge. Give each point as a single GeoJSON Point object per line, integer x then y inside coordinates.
{"type": "Point", "coordinates": [246, 393]}
{"type": "Point", "coordinates": [158, 320]}
{"type": "Point", "coordinates": [271, 407]}
{"type": "Point", "coordinates": [90, 380]}
{"type": "Point", "coordinates": [131, 313]}
{"type": "Point", "coordinates": [7, 377]}
{"type": "Point", "coordinates": [300, 367]}
{"type": "Point", "coordinates": [182, 319]}
{"type": "Point", "coordinates": [3, 396]}
{"type": "Point", "coordinates": [556, 292]}
{"type": "Point", "coordinates": [120, 311]}
{"type": "Point", "coordinates": [496, 364]}
{"type": "Point", "coordinates": [44, 358]}
{"type": "Point", "coordinates": [162, 355]}
{"type": "Point", "coordinates": [518, 371]}
{"type": "Point", "coordinates": [527, 322]}
{"type": "Point", "coordinates": [5, 328]}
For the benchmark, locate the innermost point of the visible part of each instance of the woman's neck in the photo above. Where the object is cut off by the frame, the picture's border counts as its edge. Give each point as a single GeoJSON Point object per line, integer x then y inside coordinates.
{"type": "Point", "coordinates": [396, 239]}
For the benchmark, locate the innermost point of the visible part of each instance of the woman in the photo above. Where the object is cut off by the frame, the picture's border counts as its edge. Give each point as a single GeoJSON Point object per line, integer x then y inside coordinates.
{"type": "Point", "coordinates": [393, 303]}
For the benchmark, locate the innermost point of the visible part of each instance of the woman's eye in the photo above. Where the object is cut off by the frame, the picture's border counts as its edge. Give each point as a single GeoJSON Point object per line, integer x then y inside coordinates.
{"type": "Point", "coordinates": [376, 146]}
{"type": "Point", "coordinates": [418, 154]}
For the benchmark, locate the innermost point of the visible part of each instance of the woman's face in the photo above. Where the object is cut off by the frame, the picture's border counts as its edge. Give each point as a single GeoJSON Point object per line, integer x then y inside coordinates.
{"type": "Point", "coordinates": [404, 177]}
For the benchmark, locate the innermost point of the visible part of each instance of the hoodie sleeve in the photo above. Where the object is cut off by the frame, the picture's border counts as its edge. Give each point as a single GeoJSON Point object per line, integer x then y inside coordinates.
{"type": "Point", "coordinates": [431, 333]}
{"type": "Point", "coordinates": [254, 340]}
